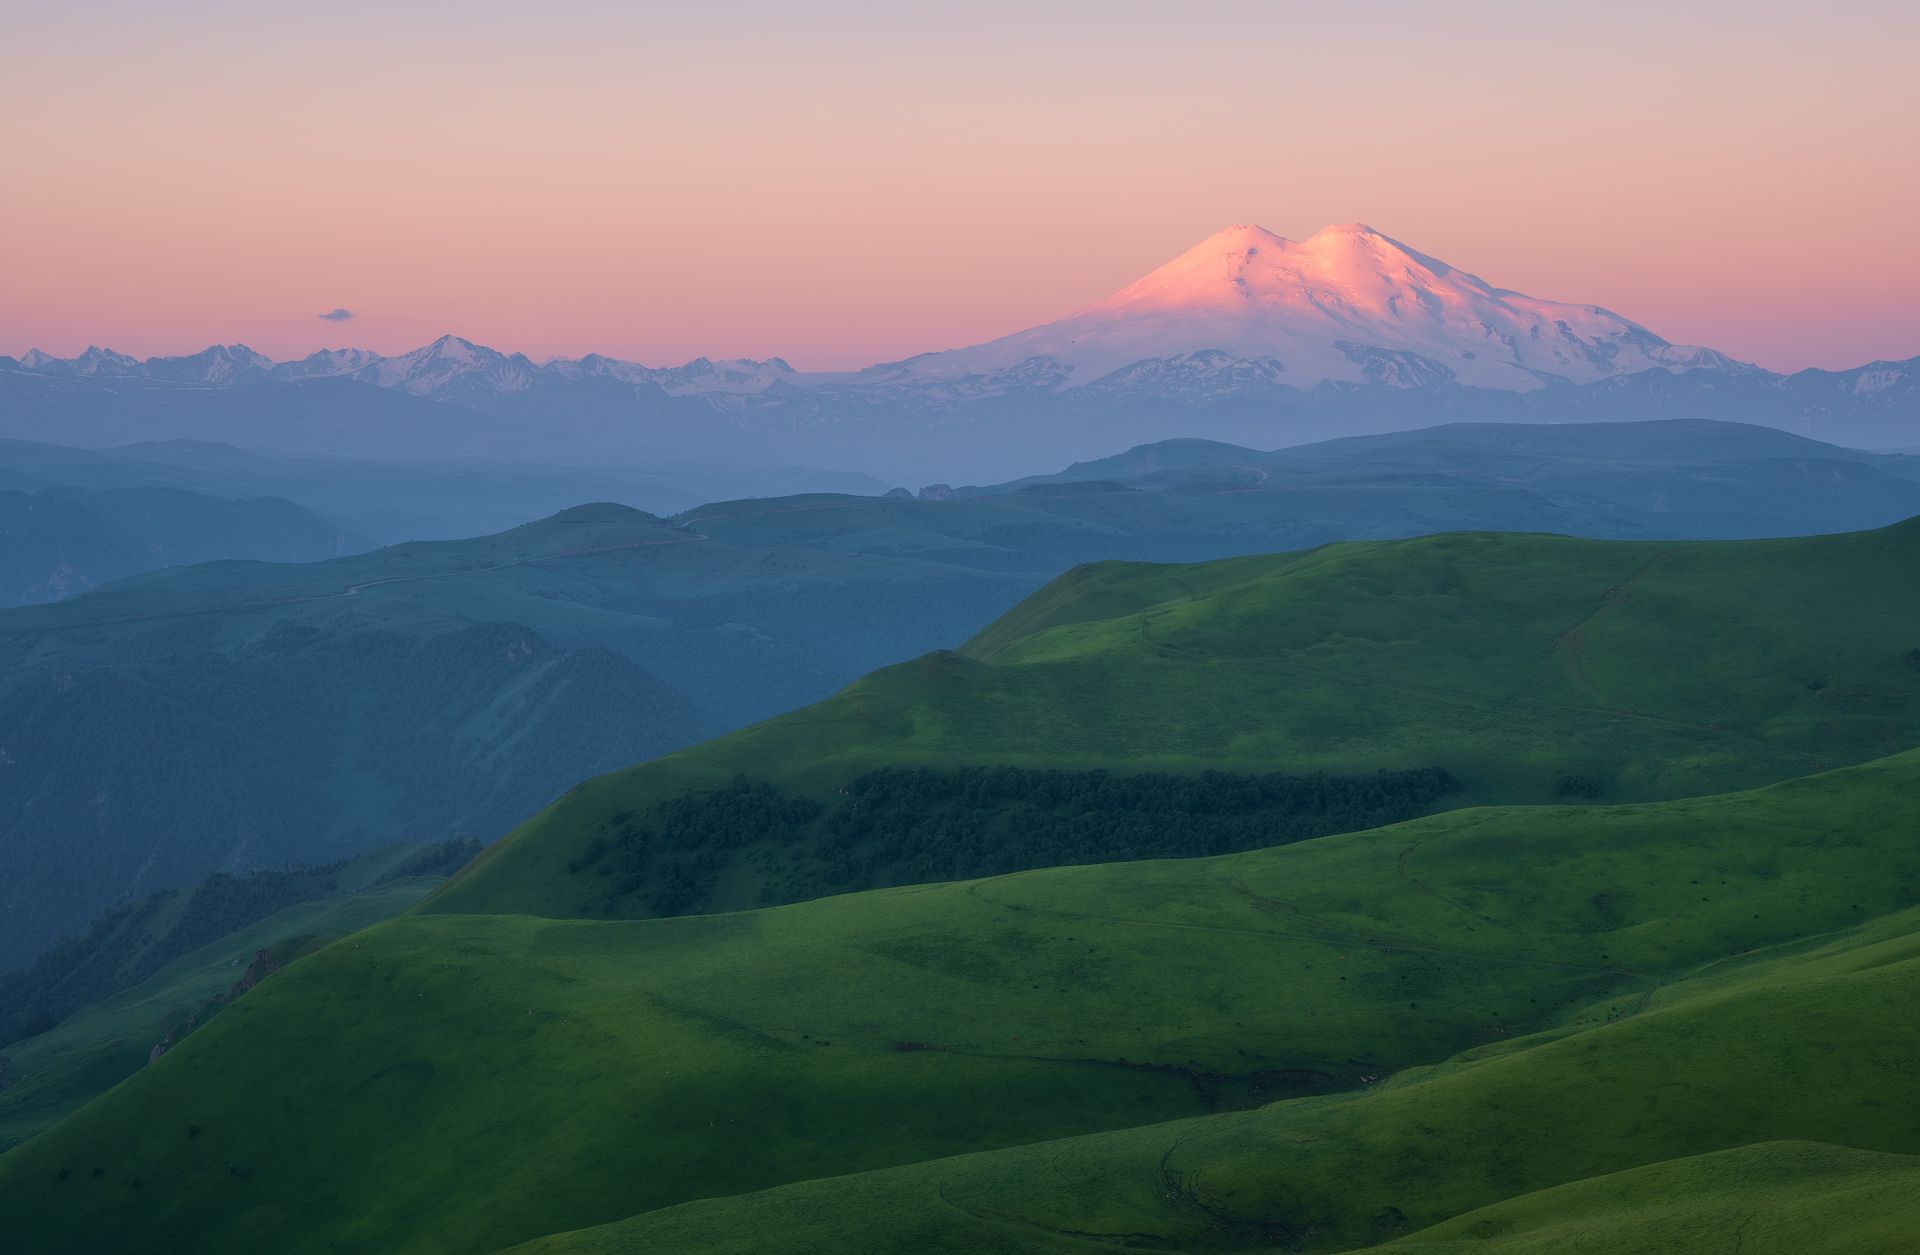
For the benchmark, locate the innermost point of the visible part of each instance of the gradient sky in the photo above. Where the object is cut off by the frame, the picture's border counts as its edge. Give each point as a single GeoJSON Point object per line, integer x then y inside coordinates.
{"type": "Point", "coordinates": [841, 183]}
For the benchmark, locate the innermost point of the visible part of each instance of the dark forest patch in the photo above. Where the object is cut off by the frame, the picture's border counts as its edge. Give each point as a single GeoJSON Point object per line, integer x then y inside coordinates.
{"type": "Point", "coordinates": [912, 825]}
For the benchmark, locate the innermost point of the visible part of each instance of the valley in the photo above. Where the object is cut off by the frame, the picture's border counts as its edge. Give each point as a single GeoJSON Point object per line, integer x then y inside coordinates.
{"type": "Point", "coordinates": [264, 714]}
{"type": "Point", "coordinates": [1347, 1040]}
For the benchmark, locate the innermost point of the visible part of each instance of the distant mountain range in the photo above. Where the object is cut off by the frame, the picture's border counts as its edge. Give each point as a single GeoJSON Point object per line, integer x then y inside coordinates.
{"type": "Point", "coordinates": [1248, 337]}
{"type": "Point", "coordinates": [392, 500]}
{"type": "Point", "coordinates": [60, 541]}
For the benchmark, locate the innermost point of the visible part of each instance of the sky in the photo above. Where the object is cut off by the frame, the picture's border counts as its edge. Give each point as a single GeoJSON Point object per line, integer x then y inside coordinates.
{"type": "Point", "coordinates": [846, 182]}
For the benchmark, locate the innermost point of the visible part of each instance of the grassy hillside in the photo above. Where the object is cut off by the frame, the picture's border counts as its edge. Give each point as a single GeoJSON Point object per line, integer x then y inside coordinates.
{"type": "Point", "coordinates": [135, 939]}
{"type": "Point", "coordinates": [1676, 1130]}
{"type": "Point", "coordinates": [239, 715]}
{"type": "Point", "coordinates": [51, 1075]}
{"type": "Point", "coordinates": [450, 689]}
{"type": "Point", "coordinates": [1769, 1198]}
{"type": "Point", "coordinates": [1794, 1198]}
{"type": "Point", "coordinates": [1530, 668]}
{"type": "Point", "coordinates": [1664, 978]}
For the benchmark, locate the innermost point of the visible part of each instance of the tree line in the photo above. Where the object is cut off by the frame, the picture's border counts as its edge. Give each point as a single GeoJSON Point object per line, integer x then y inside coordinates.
{"type": "Point", "coordinates": [908, 825]}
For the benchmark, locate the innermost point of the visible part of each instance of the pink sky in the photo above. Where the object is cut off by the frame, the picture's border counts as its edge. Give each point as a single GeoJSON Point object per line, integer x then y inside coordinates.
{"type": "Point", "coordinates": [858, 183]}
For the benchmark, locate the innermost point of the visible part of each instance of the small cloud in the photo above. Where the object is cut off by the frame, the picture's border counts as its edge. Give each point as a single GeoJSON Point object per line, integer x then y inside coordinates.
{"type": "Point", "coordinates": [335, 315]}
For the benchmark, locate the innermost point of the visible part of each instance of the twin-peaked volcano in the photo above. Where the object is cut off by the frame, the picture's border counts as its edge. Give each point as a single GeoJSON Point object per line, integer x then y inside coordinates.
{"type": "Point", "coordinates": [1244, 309]}
{"type": "Point", "coordinates": [1345, 305]}
{"type": "Point", "coordinates": [1248, 337]}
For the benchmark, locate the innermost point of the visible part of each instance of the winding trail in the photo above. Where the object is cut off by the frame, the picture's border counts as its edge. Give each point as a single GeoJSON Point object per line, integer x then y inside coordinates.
{"type": "Point", "coordinates": [1571, 645]}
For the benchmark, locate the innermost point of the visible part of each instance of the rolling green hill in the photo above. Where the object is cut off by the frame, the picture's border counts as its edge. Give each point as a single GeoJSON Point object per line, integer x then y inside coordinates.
{"type": "Point", "coordinates": [1799, 1197]}
{"type": "Point", "coordinates": [1615, 986]}
{"type": "Point", "coordinates": [164, 977]}
{"type": "Point", "coordinates": [1530, 668]}
{"type": "Point", "coordinates": [1315, 1045]}
{"type": "Point", "coordinates": [237, 716]}
{"type": "Point", "coordinates": [1673, 906]}
{"type": "Point", "coordinates": [137, 939]}
{"type": "Point", "coordinates": [1676, 1129]}
{"type": "Point", "coordinates": [1767, 1198]}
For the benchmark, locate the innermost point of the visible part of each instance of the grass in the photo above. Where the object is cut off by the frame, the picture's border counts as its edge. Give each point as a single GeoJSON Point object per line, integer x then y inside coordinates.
{"type": "Point", "coordinates": [56, 1073]}
{"type": "Point", "coordinates": [390, 695]}
{"type": "Point", "coordinates": [1344, 1041]}
{"type": "Point", "coordinates": [1800, 1197]}
{"type": "Point", "coordinates": [1679, 1129]}
{"type": "Point", "coordinates": [462, 1083]}
{"type": "Point", "coordinates": [1527, 666]}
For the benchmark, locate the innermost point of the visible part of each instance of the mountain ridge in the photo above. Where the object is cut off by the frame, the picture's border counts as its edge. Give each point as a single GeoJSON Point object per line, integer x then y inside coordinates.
{"type": "Point", "coordinates": [1349, 280]}
{"type": "Point", "coordinates": [1247, 337]}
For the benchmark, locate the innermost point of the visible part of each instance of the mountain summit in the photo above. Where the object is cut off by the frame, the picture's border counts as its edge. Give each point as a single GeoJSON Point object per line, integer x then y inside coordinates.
{"type": "Point", "coordinates": [1346, 305]}
{"type": "Point", "coordinates": [1240, 314]}
{"type": "Point", "coordinates": [1247, 337]}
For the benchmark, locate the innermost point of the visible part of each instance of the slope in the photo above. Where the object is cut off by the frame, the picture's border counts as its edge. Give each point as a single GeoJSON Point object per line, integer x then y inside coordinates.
{"type": "Point", "coordinates": [461, 1083]}
{"type": "Point", "coordinates": [1791, 1198]}
{"type": "Point", "coordinates": [58, 541]}
{"type": "Point", "coordinates": [1530, 668]}
{"type": "Point", "coordinates": [455, 687]}
{"type": "Point", "coordinates": [1346, 305]}
{"type": "Point", "coordinates": [54, 1073]}
{"type": "Point", "coordinates": [1676, 477]}
{"type": "Point", "coordinates": [240, 716]}
{"type": "Point", "coordinates": [1678, 1128]}
{"type": "Point", "coordinates": [424, 498]}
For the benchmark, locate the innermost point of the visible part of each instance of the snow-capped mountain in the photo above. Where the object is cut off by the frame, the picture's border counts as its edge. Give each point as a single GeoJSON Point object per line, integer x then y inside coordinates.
{"type": "Point", "coordinates": [1247, 337]}
{"type": "Point", "coordinates": [328, 364]}
{"type": "Point", "coordinates": [701, 375]}
{"type": "Point", "coordinates": [1347, 306]}
{"type": "Point", "coordinates": [1875, 386]}
{"type": "Point", "coordinates": [93, 361]}
{"type": "Point", "coordinates": [218, 364]}
{"type": "Point", "coordinates": [451, 363]}
{"type": "Point", "coordinates": [1245, 308]}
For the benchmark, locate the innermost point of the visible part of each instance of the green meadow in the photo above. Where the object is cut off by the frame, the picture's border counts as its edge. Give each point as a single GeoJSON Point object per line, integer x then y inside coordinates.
{"type": "Point", "coordinates": [475, 1081]}
{"type": "Point", "coordinates": [1647, 981]}
{"type": "Point", "coordinates": [54, 1073]}
{"type": "Point", "coordinates": [1531, 668]}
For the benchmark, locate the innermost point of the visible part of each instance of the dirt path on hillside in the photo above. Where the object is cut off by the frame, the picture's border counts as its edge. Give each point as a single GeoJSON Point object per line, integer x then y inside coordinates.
{"type": "Point", "coordinates": [1571, 645]}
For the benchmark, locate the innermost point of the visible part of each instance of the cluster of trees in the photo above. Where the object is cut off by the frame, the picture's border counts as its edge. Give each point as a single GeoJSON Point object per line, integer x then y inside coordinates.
{"type": "Point", "coordinates": [909, 825]}
{"type": "Point", "coordinates": [1579, 784]}
{"type": "Point", "coordinates": [673, 861]}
